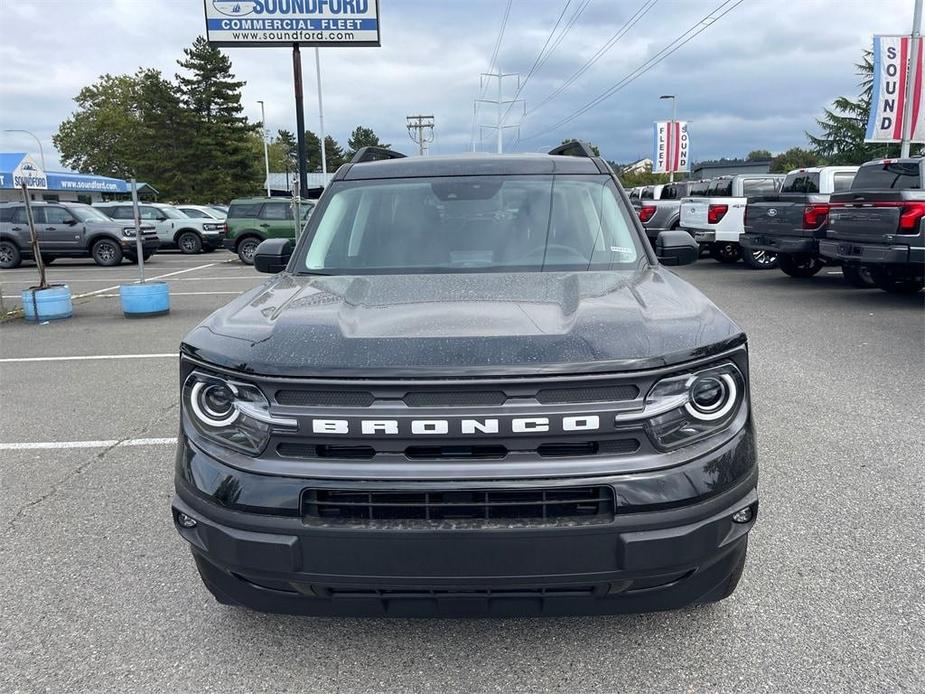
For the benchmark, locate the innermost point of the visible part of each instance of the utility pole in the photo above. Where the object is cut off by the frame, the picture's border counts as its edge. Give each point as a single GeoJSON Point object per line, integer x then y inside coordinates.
{"type": "Point", "coordinates": [500, 102]}
{"type": "Point", "coordinates": [911, 80]}
{"type": "Point", "coordinates": [421, 130]}
{"type": "Point", "coordinates": [266, 149]}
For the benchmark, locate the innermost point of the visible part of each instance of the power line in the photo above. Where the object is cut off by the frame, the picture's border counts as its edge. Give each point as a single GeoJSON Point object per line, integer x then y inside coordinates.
{"type": "Point", "coordinates": [707, 21]}
{"type": "Point", "coordinates": [610, 43]}
{"type": "Point", "coordinates": [421, 131]}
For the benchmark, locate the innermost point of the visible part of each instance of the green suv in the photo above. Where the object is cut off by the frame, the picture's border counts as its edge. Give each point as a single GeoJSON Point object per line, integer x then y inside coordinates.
{"type": "Point", "coordinates": [252, 220]}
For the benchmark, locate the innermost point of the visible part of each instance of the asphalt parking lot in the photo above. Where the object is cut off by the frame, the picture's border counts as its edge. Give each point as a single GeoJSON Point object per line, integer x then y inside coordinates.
{"type": "Point", "coordinates": [100, 594]}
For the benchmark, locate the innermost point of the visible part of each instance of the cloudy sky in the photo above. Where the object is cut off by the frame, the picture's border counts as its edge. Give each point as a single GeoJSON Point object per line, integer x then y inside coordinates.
{"type": "Point", "coordinates": [754, 79]}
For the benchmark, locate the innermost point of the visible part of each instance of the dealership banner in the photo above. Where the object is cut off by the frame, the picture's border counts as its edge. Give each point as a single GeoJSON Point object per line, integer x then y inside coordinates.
{"type": "Point", "coordinates": [892, 57]}
{"type": "Point", "coordinates": [234, 23]}
{"type": "Point", "coordinates": [672, 147]}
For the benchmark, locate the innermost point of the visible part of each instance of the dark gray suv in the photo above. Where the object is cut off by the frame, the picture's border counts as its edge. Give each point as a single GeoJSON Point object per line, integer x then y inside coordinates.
{"type": "Point", "coordinates": [69, 230]}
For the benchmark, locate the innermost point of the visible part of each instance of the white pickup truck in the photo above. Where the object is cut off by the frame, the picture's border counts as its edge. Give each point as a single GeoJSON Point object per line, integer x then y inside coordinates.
{"type": "Point", "coordinates": [716, 221]}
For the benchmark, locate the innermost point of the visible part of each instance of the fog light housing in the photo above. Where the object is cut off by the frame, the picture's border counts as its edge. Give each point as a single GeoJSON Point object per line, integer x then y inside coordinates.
{"type": "Point", "coordinates": [185, 521]}
{"type": "Point", "coordinates": [743, 515]}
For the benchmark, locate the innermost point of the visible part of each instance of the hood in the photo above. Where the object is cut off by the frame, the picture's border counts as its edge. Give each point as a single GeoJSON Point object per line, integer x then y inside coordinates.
{"type": "Point", "coordinates": [460, 324]}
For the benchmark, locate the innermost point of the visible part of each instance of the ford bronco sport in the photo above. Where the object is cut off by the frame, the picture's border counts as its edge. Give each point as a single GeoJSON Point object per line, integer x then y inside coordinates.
{"type": "Point", "coordinates": [472, 388]}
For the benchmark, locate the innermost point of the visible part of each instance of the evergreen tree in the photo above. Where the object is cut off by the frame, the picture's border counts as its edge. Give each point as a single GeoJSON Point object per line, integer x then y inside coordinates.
{"type": "Point", "coordinates": [844, 125]}
{"type": "Point", "coordinates": [221, 158]}
{"type": "Point", "coordinates": [334, 154]}
{"type": "Point", "coordinates": [362, 137]}
{"type": "Point", "coordinates": [758, 155]}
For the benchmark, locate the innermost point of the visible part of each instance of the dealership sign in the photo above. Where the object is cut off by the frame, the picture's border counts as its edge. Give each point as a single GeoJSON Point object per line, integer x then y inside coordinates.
{"type": "Point", "coordinates": [286, 22]}
{"type": "Point", "coordinates": [892, 58]}
{"type": "Point", "coordinates": [672, 147]}
{"type": "Point", "coordinates": [25, 171]}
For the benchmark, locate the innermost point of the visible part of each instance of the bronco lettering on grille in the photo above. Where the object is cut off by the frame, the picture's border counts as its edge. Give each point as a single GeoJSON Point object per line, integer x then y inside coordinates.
{"type": "Point", "coordinates": [455, 427]}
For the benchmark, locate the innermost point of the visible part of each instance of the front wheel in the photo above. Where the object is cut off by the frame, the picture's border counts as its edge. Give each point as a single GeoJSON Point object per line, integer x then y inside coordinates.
{"type": "Point", "coordinates": [857, 276]}
{"type": "Point", "coordinates": [800, 266]}
{"type": "Point", "coordinates": [189, 243]}
{"type": "Point", "coordinates": [10, 257]}
{"type": "Point", "coordinates": [106, 253]}
{"type": "Point", "coordinates": [760, 260]}
{"type": "Point", "coordinates": [247, 249]}
{"type": "Point", "coordinates": [895, 281]}
{"type": "Point", "coordinates": [726, 252]}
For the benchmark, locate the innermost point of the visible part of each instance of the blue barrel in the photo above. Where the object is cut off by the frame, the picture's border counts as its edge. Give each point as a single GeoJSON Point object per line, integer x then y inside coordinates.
{"type": "Point", "coordinates": [142, 300]}
{"type": "Point", "coordinates": [47, 304]}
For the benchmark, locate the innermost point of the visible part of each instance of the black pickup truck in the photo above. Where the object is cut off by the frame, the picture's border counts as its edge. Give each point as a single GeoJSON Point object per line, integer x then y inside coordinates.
{"type": "Point", "coordinates": [879, 225]}
{"type": "Point", "coordinates": [792, 222]}
{"type": "Point", "coordinates": [472, 388]}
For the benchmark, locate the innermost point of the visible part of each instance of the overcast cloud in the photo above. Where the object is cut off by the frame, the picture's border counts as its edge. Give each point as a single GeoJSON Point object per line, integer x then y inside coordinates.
{"type": "Point", "coordinates": [755, 79]}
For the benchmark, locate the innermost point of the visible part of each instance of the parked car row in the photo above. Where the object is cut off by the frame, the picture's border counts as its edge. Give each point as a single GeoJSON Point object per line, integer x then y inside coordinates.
{"type": "Point", "coordinates": [868, 220]}
{"type": "Point", "coordinates": [105, 231]}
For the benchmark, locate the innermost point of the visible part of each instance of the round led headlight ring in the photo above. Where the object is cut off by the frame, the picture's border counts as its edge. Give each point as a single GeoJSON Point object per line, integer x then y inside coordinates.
{"type": "Point", "coordinates": [214, 403]}
{"type": "Point", "coordinates": [711, 397]}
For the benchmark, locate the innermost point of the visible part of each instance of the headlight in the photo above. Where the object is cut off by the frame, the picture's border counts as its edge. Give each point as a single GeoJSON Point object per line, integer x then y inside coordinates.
{"type": "Point", "coordinates": [689, 407]}
{"type": "Point", "coordinates": [128, 231]}
{"type": "Point", "coordinates": [212, 227]}
{"type": "Point", "coordinates": [230, 413]}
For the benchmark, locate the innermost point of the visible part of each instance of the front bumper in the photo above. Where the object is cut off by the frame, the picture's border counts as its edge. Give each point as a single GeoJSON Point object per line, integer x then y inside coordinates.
{"type": "Point", "coordinates": [871, 253]}
{"type": "Point", "coordinates": [228, 244]}
{"type": "Point", "coordinates": [213, 241]}
{"type": "Point", "coordinates": [671, 542]}
{"type": "Point", "coordinates": [147, 246]}
{"type": "Point", "coordinates": [788, 245]}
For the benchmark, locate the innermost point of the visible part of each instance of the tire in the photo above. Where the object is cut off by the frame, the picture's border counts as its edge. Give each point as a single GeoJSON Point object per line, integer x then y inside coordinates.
{"type": "Point", "coordinates": [726, 252]}
{"type": "Point", "coordinates": [48, 259]}
{"type": "Point", "coordinates": [857, 276]}
{"type": "Point", "coordinates": [246, 249]}
{"type": "Point", "coordinates": [760, 260]}
{"type": "Point", "coordinates": [106, 252]}
{"type": "Point", "coordinates": [10, 257]}
{"type": "Point", "coordinates": [800, 266]}
{"type": "Point", "coordinates": [889, 280]}
{"type": "Point", "coordinates": [189, 243]}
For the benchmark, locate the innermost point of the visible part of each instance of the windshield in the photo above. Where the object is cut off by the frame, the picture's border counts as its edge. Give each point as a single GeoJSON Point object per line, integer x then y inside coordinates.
{"type": "Point", "coordinates": [172, 213]}
{"type": "Point", "coordinates": [720, 188]}
{"type": "Point", "coordinates": [471, 224]}
{"type": "Point", "coordinates": [801, 182]}
{"type": "Point", "coordinates": [888, 175]}
{"type": "Point", "coordinates": [85, 213]}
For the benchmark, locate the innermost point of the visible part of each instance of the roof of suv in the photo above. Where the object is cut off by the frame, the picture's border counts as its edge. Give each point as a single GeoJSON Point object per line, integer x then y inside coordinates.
{"type": "Point", "coordinates": [470, 165]}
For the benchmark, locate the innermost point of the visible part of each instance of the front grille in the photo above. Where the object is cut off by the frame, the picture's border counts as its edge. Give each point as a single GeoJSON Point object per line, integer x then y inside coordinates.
{"type": "Point", "coordinates": [582, 505]}
{"type": "Point", "coordinates": [559, 396]}
{"type": "Point", "coordinates": [425, 398]}
{"type": "Point", "coordinates": [487, 451]}
{"type": "Point", "coordinates": [325, 398]}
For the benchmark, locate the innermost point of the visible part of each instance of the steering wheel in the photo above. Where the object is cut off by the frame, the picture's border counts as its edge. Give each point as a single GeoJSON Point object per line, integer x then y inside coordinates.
{"type": "Point", "coordinates": [540, 250]}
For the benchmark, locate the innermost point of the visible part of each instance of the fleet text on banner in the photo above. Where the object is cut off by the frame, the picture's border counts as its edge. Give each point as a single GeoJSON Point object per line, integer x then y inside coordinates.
{"type": "Point", "coordinates": [672, 147]}
{"type": "Point", "coordinates": [285, 22]}
{"type": "Point", "coordinates": [888, 96]}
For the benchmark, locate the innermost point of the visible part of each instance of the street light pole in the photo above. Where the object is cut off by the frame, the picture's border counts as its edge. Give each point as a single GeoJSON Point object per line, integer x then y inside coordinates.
{"type": "Point", "coordinates": [266, 149]}
{"type": "Point", "coordinates": [37, 141]}
{"type": "Point", "coordinates": [908, 125]}
{"type": "Point", "coordinates": [324, 159]}
{"type": "Point", "coordinates": [671, 137]}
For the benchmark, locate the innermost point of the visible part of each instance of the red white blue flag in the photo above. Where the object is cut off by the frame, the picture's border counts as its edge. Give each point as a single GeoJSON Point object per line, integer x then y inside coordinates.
{"type": "Point", "coordinates": [892, 63]}
{"type": "Point", "coordinates": [672, 147]}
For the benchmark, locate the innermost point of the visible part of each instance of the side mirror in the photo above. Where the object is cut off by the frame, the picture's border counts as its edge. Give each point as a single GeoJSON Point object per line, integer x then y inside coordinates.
{"type": "Point", "coordinates": [71, 222]}
{"type": "Point", "coordinates": [273, 255]}
{"type": "Point", "coordinates": [676, 247]}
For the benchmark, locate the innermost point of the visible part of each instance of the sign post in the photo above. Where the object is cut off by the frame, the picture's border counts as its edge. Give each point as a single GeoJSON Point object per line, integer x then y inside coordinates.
{"type": "Point", "coordinates": [139, 249]}
{"type": "Point", "coordinates": [295, 23]}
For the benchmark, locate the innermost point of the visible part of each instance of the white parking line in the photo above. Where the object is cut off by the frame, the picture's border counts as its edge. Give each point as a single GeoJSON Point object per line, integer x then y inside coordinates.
{"type": "Point", "coordinates": [45, 445]}
{"type": "Point", "coordinates": [90, 357]}
{"type": "Point", "coordinates": [157, 277]}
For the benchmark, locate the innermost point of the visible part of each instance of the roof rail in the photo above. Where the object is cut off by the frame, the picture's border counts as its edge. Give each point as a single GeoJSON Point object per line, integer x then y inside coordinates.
{"type": "Point", "coordinates": [365, 154]}
{"type": "Point", "coordinates": [575, 148]}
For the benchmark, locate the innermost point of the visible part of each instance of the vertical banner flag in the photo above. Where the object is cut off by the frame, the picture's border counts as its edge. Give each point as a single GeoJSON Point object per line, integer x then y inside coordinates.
{"type": "Point", "coordinates": [672, 147]}
{"type": "Point", "coordinates": [892, 55]}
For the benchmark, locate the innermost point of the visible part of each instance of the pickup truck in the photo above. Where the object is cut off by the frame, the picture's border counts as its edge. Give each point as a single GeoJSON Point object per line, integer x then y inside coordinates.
{"type": "Point", "coordinates": [665, 213]}
{"type": "Point", "coordinates": [878, 224]}
{"type": "Point", "coordinates": [717, 220]}
{"type": "Point", "coordinates": [792, 222]}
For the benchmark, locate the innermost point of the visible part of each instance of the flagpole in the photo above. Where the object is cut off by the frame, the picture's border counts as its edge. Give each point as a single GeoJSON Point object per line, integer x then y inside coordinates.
{"type": "Point", "coordinates": [911, 75]}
